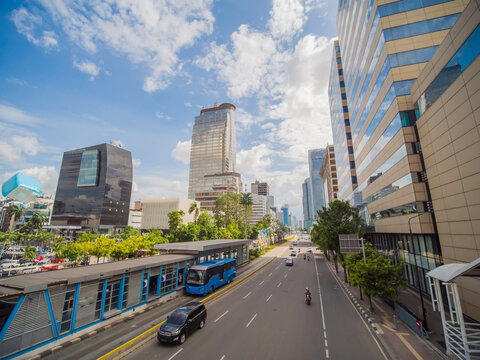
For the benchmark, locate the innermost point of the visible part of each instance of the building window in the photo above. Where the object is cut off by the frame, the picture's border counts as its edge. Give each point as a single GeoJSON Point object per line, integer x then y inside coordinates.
{"type": "Point", "coordinates": [88, 174]}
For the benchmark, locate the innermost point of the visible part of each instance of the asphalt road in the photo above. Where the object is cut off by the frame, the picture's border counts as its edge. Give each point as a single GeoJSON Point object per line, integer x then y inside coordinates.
{"type": "Point", "coordinates": [266, 317]}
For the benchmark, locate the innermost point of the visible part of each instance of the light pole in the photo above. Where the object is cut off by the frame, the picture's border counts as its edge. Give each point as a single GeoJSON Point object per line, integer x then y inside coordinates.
{"type": "Point", "coordinates": [424, 311]}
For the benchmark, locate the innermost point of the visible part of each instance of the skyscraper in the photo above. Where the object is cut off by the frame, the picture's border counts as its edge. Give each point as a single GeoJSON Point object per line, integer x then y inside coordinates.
{"type": "Point", "coordinates": [307, 203]}
{"type": "Point", "coordinates": [329, 176]}
{"type": "Point", "coordinates": [212, 155]}
{"type": "Point", "coordinates": [94, 189]}
{"type": "Point", "coordinates": [285, 214]}
{"type": "Point", "coordinates": [315, 162]}
{"type": "Point", "coordinates": [260, 188]}
{"type": "Point", "coordinates": [382, 49]}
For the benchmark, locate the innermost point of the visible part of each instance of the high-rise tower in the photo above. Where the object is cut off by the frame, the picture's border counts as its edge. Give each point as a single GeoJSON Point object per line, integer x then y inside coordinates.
{"type": "Point", "coordinates": [315, 162]}
{"type": "Point", "coordinates": [212, 155]}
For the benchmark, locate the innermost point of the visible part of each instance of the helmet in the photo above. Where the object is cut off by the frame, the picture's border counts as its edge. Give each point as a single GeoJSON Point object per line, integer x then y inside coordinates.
{"type": "Point", "coordinates": [307, 289]}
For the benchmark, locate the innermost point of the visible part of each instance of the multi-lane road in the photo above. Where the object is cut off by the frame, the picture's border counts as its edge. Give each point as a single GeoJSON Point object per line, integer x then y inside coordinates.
{"type": "Point", "coordinates": [265, 317]}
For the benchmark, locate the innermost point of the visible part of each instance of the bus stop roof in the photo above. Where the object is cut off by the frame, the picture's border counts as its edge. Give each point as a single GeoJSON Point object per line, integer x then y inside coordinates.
{"type": "Point", "coordinates": [198, 247]}
{"type": "Point", "coordinates": [28, 283]}
{"type": "Point", "coordinates": [450, 272]}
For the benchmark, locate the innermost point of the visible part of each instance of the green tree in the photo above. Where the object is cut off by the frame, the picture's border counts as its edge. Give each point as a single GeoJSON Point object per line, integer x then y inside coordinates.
{"type": "Point", "coordinates": [189, 232]}
{"type": "Point", "coordinates": [37, 220]}
{"type": "Point", "coordinates": [59, 246]}
{"type": "Point", "coordinates": [378, 276]}
{"type": "Point", "coordinates": [246, 203]}
{"type": "Point", "coordinates": [15, 212]}
{"type": "Point", "coordinates": [76, 251]}
{"type": "Point", "coordinates": [129, 231]}
{"type": "Point", "coordinates": [195, 209]}
{"type": "Point", "coordinates": [339, 218]}
{"type": "Point", "coordinates": [29, 253]}
{"type": "Point", "coordinates": [175, 221]}
{"type": "Point", "coordinates": [207, 229]}
{"type": "Point", "coordinates": [101, 247]}
{"type": "Point", "coordinates": [87, 237]}
{"type": "Point", "coordinates": [228, 209]}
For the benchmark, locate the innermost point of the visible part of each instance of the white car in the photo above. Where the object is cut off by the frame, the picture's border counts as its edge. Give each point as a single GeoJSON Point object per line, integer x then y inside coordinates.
{"type": "Point", "coordinates": [293, 253]}
{"type": "Point", "coordinates": [289, 261]}
{"type": "Point", "coordinates": [310, 249]}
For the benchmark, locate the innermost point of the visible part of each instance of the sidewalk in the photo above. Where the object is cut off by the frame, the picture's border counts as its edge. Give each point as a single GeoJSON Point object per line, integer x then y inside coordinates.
{"type": "Point", "coordinates": [400, 342]}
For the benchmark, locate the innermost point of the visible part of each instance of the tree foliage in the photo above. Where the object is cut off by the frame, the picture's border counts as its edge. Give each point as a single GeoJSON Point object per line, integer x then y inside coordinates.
{"type": "Point", "coordinates": [339, 218]}
{"type": "Point", "coordinates": [378, 276]}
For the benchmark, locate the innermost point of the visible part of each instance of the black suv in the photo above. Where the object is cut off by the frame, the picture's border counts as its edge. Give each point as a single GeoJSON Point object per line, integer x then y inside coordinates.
{"type": "Point", "coordinates": [182, 322]}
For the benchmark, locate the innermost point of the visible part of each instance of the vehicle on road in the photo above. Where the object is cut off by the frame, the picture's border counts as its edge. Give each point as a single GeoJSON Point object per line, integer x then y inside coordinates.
{"type": "Point", "coordinates": [308, 299]}
{"type": "Point", "coordinates": [310, 249]}
{"type": "Point", "coordinates": [289, 261]}
{"type": "Point", "coordinates": [295, 243]}
{"type": "Point", "coordinates": [291, 247]}
{"type": "Point", "coordinates": [205, 277]}
{"type": "Point", "coordinates": [293, 253]}
{"type": "Point", "coordinates": [182, 323]}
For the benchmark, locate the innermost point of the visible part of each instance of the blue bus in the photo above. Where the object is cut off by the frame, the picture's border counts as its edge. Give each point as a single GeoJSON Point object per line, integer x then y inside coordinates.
{"type": "Point", "coordinates": [205, 277]}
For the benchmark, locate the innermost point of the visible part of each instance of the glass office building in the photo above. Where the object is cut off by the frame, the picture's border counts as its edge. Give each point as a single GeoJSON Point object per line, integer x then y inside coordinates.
{"type": "Point", "coordinates": [94, 189]}
{"type": "Point", "coordinates": [384, 46]}
{"type": "Point", "coordinates": [315, 162]}
{"type": "Point", "coordinates": [213, 154]}
{"type": "Point", "coordinates": [306, 202]}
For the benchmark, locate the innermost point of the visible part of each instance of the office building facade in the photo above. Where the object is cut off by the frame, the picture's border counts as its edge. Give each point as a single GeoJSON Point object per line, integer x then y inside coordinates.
{"type": "Point", "coordinates": [155, 212]}
{"type": "Point", "coordinates": [315, 162]}
{"type": "Point", "coordinates": [260, 188]}
{"type": "Point", "coordinates": [284, 212]}
{"type": "Point", "coordinates": [384, 46]}
{"type": "Point", "coordinates": [446, 95]}
{"type": "Point", "coordinates": [259, 208]}
{"type": "Point", "coordinates": [213, 155]}
{"type": "Point", "coordinates": [94, 189]}
{"type": "Point", "coordinates": [307, 203]}
{"type": "Point", "coordinates": [328, 173]}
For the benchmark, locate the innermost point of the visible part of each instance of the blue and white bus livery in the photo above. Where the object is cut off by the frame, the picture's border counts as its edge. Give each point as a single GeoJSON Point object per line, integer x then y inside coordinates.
{"type": "Point", "coordinates": [205, 277]}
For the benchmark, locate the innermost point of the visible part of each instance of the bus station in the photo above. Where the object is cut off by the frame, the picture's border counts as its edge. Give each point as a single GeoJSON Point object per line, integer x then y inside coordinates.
{"type": "Point", "coordinates": [41, 308]}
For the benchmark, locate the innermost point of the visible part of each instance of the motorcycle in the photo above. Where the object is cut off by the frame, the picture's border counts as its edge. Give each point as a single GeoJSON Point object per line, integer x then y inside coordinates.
{"type": "Point", "coordinates": [308, 258]}
{"type": "Point", "coordinates": [308, 299]}
{"type": "Point", "coordinates": [304, 256]}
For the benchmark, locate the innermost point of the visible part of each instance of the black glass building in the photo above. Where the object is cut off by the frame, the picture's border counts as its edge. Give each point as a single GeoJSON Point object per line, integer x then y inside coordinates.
{"type": "Point", "coordinates": [94, 188]}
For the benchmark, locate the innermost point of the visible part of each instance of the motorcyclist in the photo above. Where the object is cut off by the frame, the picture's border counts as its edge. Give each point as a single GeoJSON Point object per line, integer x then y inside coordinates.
{"type": "Point", "coordinates": [304, 256]}
{"type": "Point", "coordinates": [307, 292]}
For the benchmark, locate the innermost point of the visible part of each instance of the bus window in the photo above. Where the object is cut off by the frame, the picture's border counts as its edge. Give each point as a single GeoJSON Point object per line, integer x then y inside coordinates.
{"type": "Point", "coordinates": [195, 277]}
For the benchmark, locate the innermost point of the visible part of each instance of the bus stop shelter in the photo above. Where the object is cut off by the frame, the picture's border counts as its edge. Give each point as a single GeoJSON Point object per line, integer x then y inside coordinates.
{"type": "Point", "coordinates": [462, 338]}
{"type": "Point", "coordinates": [210, 249]}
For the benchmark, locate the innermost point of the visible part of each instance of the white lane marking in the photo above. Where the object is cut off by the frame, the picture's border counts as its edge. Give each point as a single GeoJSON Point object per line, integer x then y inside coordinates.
{"type": "Point", "coordinates": [269, 297]}
{"type": "Point", "coordinates": [261, 282]}
{"type": "Point", "coordinates": [326, 343]}
{"type": "Point", "coordinates": [247, 295]}
{"type": "Point", "coordinates": [280, 283]}
{"type": "Point", "coordinates": [171, 357]}
{"type": "Point", "coordinates": [326, 353]}
{"type": "Point", "coordinates": [325, 334]}
{"type": "Point", "coordinates": [225, 313]}
{"type": "Point", "coordinates": [223, 357]}
{"type": "Point", "coordinates": [254, 316]}
{"type": "Point", "coordinates": [270, 274]}
{"type": "Point", "coordinates": [276, 268]}
{"type": "Point", "coordinates": [320, 294]}
{"type": "Point", "coordinates": [360, 316]}
{"type": "Point", "coordinates": [285, 276]}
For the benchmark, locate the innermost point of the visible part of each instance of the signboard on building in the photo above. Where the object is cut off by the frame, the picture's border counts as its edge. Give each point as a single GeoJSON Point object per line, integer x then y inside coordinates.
{"type": "Point", "coordinates": [349, 244]}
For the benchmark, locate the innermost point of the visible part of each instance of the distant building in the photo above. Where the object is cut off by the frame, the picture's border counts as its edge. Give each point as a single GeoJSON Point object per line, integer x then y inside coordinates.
{"type": "Point", "coordinates": [94, 189]}
{"type": "Point", "coordinates": [285, 218]}
{"type": "Point", "coordinates": [135, 216]}
{"type": "Point", "coordinates": [212, 156]}
{"type": "Point", "coordinates": [259, 208]}
{"type": "Point", "coordinates": [40, 205]}
{"type": "Point", "coordinates": [260, 188]}
{"type": "Point", "coordinates": [328, 172]}
{"type": "Point", "coordinates": [155, 212]}
{"type": "Point", "coordinates": [315, 162]}
{"type": "Point", "coordinates": [306, 201]}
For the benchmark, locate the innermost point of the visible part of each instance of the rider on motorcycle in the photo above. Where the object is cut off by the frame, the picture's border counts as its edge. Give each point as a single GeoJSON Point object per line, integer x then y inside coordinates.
{"type": "Point", "coordinates": [307, 292]}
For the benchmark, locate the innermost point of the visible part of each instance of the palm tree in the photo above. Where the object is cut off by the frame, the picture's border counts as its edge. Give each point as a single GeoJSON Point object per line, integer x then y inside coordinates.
{"type": "Point", "coordinates": [194, 208]}
{"type": "Point", "coordinates": [246, 201]}
{"type": "Point", "coordinates": [37, 220]}
{"type": "Point", "coordinates": [15, 212]}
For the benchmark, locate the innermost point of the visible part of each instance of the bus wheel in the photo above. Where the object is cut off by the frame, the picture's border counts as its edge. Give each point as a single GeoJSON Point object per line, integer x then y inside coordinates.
{"type": "Point", "coordinates": [229, 280]}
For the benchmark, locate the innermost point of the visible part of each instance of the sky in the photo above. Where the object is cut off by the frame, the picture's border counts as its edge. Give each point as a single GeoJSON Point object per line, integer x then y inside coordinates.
{"type": "Point", "coordinates": [76, 73]}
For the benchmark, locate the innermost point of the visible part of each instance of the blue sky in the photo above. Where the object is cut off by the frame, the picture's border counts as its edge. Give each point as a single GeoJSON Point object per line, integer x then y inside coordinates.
{"type": "Point", "coordinates": [76, 73]}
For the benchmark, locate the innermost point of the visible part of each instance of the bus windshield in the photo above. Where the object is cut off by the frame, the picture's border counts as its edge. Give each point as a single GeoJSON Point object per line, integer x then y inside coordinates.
{"type": "Point", "coordinates": [195, 277]}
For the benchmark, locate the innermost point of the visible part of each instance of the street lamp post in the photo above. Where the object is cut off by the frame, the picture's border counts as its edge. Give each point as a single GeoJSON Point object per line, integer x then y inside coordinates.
{"type": "Point", "coordinates": [424, 311]}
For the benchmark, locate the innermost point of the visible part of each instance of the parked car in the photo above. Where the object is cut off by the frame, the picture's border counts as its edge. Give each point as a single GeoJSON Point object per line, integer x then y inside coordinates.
{"type": "Point", "coordinates": [289, 261]}
{"type": "Point", "coordinates": [183, 322]}
{"type": "Point", "coordinates": [8, 263]}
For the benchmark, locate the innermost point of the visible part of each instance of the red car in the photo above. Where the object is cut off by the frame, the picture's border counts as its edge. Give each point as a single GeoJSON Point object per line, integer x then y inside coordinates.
{"type": "Point", "coordinates": [57, 261]}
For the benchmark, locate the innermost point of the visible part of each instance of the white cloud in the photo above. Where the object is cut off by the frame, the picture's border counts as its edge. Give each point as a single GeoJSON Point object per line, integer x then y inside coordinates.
{"type": "Point", "coordinates": [149, 32]}
{"type": "Point", "coordinates": [188, 104]}
{"type": "Point", "coordinates": [287, 18]}
{"type": "Point", "coordinates": [158, 186]}
{"type": "Point", "coordinates": [243, 119]}
{"type": "Point", "coordinates": [87, 67]}
{"type": "Point", "coordinates": [118, 143]}
{"type": "Point", "coordinates": [181, 152]}
{"type": "Point", "coordinates": [27, 24]}
{"type": "Point", "coordinates": [13, 148]}
{"type": "Point", "coordinates": [160, 115]}
{"type": "Point", "coordinates": [47, 175]}
{"type": "Point", "coordinates": [16, 116]}
{"type": "Point", "coordinates": [136, 162]}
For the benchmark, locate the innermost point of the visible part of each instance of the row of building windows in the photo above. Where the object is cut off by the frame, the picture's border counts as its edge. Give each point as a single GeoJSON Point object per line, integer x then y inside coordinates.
{"type": "Point", "coordinates": [406, 5]}
{"type": "Point", "coordinates": [457, 64]}
{"type": "Point", "coordinates": [421, 27]}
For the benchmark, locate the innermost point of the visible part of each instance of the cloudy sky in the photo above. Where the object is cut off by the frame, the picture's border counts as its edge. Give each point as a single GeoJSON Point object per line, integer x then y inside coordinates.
{"type": "Point", "coordinates": [76, 73]}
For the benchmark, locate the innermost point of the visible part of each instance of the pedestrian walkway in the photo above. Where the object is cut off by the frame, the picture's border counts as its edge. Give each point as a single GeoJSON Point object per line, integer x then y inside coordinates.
{"type": "Point", "coordinates": [399, 340]}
